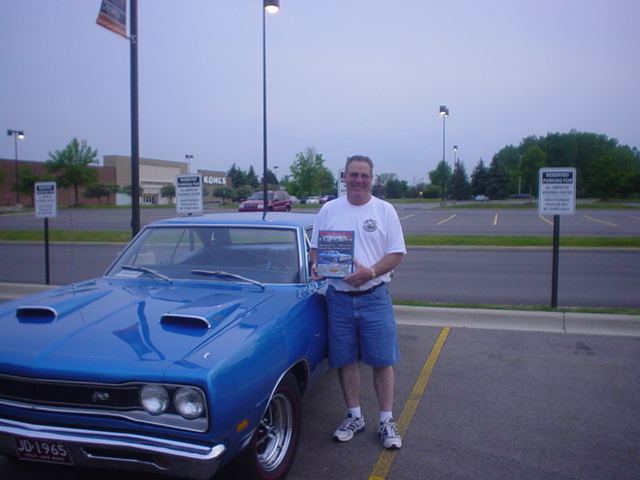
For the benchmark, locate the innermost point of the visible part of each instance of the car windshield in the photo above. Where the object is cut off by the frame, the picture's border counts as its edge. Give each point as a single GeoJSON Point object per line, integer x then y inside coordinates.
{"type": "Point", "coordinates": [212, 253]}
{"type": "Point", "coordinates": [260, 196]}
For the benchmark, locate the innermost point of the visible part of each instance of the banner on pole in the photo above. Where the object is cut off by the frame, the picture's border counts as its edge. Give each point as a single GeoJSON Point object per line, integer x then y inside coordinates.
{"type": "Point", "coordinates": [113, 16]}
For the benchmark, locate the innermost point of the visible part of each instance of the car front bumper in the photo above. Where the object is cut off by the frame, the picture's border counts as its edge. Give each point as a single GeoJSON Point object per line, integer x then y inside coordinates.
{"type": "Point", "coordinates": [120, 451]}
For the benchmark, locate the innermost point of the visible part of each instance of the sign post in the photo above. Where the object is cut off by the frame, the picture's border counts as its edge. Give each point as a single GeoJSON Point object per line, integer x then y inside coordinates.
{"type": "Point", "coordinates": [46, 207]}
{"type": "Point", "coordinates": [189, 193]}
{"type": "Point", "coordinates": [557, 196]}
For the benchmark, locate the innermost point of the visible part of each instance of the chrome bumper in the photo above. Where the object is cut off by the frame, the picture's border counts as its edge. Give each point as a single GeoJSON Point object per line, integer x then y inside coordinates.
{"type": "Point", "coordinates": [120, 450]}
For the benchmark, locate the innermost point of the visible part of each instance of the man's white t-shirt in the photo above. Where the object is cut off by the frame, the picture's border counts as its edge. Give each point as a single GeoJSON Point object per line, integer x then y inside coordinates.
{"type": "Point", "coordinates": [377, 233]}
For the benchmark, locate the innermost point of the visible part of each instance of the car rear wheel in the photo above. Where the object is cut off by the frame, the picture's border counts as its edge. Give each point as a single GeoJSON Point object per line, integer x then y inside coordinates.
{"type": "Point", "coordinates": [273, 447]}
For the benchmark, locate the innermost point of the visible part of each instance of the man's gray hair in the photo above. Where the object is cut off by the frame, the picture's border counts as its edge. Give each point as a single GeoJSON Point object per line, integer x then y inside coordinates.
{"type": "Point", "coordinates": [358, 158]}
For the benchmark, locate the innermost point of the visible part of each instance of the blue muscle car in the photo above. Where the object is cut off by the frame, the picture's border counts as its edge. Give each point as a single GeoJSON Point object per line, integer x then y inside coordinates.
{"type": "Point", "coordinates": [191, 352]}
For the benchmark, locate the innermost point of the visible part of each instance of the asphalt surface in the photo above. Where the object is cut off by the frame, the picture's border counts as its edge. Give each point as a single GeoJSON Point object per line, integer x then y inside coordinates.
{"type": "Point", "coordinates": [495, 394]}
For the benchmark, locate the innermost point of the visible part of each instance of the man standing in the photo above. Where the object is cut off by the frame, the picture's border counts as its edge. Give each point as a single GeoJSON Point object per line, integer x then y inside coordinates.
{"type": "Point", "coordinates": [361, 322]}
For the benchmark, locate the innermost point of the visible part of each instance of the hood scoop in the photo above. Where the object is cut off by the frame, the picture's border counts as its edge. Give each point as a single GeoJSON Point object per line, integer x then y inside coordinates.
{"type": "Point", "coordinates": [36, 314]}
{"type": "Point", "coordinates": [203, 313]}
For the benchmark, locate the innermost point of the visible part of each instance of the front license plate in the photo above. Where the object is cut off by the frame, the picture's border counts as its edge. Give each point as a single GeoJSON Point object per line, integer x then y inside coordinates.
{"type": "Point", "coordinates": [43, 450]}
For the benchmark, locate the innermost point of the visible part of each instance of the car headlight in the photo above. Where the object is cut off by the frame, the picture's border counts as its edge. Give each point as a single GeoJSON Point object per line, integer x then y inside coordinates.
{"type": "Point", "coordinates": [154, 399]}
{"type": "Point", "coordinates": [189, 402]}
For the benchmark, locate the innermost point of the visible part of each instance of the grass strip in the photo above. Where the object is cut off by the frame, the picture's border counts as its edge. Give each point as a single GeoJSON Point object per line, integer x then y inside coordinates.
{"type": "Point", "coordinates": [65, 236]}
{"type": "Point", "coordinates": [526, 308]}
{"type": "Point", "coordinates": [518, 241]}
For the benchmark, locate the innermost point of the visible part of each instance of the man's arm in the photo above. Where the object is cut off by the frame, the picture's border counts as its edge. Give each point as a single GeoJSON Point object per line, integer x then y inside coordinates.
{"type": "Point", "coordinates": [363, 274]}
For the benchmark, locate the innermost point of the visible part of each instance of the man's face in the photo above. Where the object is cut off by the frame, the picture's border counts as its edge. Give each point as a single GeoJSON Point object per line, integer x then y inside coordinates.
{"type": "Point", "coordinates": [358, 178]}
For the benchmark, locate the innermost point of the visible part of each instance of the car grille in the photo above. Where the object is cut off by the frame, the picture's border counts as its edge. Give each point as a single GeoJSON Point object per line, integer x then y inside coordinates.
{"type": "Point", "coordinates": [69, 394]}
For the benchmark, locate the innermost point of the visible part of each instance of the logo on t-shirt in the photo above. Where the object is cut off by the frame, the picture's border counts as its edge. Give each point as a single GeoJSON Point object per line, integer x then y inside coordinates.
{"type": "Point", "coordinates": [370, 225]}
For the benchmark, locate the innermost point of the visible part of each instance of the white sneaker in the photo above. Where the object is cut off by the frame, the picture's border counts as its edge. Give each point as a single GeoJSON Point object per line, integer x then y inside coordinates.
{"type": "Point", "coordinates": [389, 434]}
{"type": "Point", "coordinates": [349, 428]}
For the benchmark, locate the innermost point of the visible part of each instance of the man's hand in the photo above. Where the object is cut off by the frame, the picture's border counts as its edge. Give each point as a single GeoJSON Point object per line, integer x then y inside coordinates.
{"type": "Point", "coordinates": [360, 276]}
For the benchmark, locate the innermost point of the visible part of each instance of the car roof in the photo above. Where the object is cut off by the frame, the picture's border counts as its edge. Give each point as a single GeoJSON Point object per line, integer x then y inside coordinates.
{"type": "Point", "coordinates": [278, 219]}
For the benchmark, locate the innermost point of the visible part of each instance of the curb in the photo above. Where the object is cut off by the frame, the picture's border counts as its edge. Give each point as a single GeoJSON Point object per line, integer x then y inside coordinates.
{"type": "Point", "coordinates": [517, 320]}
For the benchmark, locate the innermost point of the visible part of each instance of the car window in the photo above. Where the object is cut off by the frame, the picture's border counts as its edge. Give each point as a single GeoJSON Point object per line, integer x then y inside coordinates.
{"type": "Point", "coordinates": [267, 255]}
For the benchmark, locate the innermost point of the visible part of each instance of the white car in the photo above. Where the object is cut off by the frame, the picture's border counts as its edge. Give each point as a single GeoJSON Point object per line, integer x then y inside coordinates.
{"type": "Point", "coordinates": [314, 199]}
{"type": "Point", "coordinates": [481, 198]}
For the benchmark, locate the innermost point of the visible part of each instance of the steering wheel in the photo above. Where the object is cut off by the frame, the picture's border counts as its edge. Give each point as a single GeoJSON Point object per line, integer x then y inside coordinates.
{"type": "Point", "coordinates": [267, 263]}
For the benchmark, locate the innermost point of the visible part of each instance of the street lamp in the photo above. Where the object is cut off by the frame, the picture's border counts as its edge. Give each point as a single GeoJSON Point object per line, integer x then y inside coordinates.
{"type": "Point", "coordinates": [269, 6]}
{"type": "Point", "coordinates": [275, 167]}
{"type": "Point", "coordinates": [189, 158]}
{"type": "Point", "coordinates": [455, 155]}
{"type": "Point", "coordinates": [444, 111]}
{"type": "Point", "coordinates": [16, 135]}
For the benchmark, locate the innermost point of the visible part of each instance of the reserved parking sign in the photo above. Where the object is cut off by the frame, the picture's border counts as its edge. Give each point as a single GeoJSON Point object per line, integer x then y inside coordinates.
{"type": "Point", "coordinates": [557, 191]}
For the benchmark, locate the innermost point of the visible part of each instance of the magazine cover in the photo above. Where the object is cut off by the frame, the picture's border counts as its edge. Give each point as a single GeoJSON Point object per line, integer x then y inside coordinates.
{"type": "Point", "coordinates": [335, 253]}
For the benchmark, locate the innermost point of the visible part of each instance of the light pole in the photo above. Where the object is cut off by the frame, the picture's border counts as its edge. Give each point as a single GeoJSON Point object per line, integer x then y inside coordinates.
{"type": "Point", "coordinates": [189, 158]}
{"type": "Point", "coordinates": [444, 111]}
{"type": "Point", "coordinates": [269, 6]}
{"type": "Point", "coordinates": [275, 167]}
{"type": "Point", "coordinates": [16, 135]}
{"type": "Point", "coordinates": [455, 155]}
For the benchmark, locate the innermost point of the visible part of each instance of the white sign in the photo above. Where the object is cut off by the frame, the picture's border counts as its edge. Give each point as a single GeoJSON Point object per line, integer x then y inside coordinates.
{"type": "Point", "coordinates": [557, 191]}
{"type": "Point", "coordinates": [189, 193]}
{"type": "Point", "coordinates": [342, 187]}
{"type": "Point", "coordinates": [46, 200]}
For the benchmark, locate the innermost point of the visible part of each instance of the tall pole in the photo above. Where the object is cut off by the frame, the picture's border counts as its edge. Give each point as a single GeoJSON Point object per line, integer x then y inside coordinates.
{"type": "Point", "coordinates": [16, 134]}
{"type": "Point", "coordinates": [135, 146]}
{"type": "Point", "coordinates": [444, 111]}
{"type": "Point", "coordinates": [264, 114]}
{"type": "Point", "coordinates": [272, 6]}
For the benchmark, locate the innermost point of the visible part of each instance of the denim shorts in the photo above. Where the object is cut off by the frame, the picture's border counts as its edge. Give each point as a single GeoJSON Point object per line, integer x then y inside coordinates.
{"type": "Point", "coordinates": [362, 328]}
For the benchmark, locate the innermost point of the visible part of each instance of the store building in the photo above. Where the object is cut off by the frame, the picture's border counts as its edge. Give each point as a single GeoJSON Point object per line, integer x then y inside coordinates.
{"type": "Point", "coordinates": [154, 174]}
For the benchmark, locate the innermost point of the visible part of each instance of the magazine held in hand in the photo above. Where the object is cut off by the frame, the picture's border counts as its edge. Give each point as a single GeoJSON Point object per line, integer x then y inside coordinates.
{"type": "Point", "coordinates": [335, 253]}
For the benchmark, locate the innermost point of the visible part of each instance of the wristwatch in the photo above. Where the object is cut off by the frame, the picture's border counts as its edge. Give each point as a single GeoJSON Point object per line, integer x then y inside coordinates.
{"type": "Point", "coordinates": [373, 273]}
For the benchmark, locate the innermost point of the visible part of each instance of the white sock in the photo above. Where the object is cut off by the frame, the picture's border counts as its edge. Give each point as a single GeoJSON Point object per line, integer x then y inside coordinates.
{"type": "Point", "coordinates": [356, 412]}
{"type": "Point", "coordinates": [384, 416]}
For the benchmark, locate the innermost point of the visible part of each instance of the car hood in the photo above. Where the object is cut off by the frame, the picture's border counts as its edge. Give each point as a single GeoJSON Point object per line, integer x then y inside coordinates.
{"type": "Point", "coordinates": [112, 328]}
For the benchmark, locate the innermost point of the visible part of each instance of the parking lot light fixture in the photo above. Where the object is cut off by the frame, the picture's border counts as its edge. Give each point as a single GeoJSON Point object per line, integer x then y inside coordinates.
{"type": "Point", "coordinates": [444, 111]}
{"type": "Point", "coordinates": [189, 158]}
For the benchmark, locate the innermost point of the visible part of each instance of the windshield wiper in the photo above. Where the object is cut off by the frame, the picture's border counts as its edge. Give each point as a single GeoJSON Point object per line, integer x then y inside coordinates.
{"type": "Point", "coordinates": [139, 268]}
{"type": "Point", "coordinates": [227, 275]}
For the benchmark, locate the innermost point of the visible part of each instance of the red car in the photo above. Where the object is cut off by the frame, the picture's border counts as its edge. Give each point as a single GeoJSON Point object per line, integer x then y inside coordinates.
{"type": "Point", "coordinates": [278, 201]}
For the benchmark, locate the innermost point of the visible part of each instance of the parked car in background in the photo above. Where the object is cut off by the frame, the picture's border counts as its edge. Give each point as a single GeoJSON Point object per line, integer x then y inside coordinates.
{"type": "Point", "coordinates": [327, 198]}
{"type": "Point", "coordinates": [294, 199]}
{"type": "Point", "coordinates": [313, 199]}
{"type": "Point", "coordinates": [192, 352]}
{"type": "Point", "coordinates": [481, 198]}
{"type": "Point", "coordinates": [277, 201]}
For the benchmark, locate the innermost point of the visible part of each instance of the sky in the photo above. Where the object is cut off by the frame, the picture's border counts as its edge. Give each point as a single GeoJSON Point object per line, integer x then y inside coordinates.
{"type": "Point", "coordinates": [344, 76]}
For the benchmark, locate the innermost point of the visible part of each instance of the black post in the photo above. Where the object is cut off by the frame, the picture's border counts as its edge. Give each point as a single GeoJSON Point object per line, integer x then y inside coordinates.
{"type": "Point", "coordinates": [135, 150]}
{"type": "Point", "coordinates": [264, 115]}
{"type": "Point", "coordinates": [46, 252]}
{"type": "Point", "coordinates": [556, 248]}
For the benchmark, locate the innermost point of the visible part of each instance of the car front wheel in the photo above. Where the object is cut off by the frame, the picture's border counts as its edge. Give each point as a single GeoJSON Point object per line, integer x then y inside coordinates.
{"type": "Point", "coordinates": [273, 446]}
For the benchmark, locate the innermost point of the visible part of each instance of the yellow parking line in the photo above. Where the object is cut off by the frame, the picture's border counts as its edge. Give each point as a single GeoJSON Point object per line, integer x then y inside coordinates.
{"type": "Point", "coordinates": [385, 460]}
{"type": "Point", "coordinates": [446, 219]}
{"type": "Point", "coordinates": [600, 221]}
{"type": "Point", "coordinates": [408, 216]}
{"type": "Point", "coordinates": [495, 220]}
{"type": "Point", "coordinates": [633, 216]}
{"type": "Point", "coordinates": [546, 220]}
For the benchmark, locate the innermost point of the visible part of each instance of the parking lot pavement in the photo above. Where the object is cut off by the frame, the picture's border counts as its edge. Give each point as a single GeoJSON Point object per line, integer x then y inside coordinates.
{"type": "Point", "coordinates": [479, 394]}
{"type": "Point", "coordinates": [497, 404]}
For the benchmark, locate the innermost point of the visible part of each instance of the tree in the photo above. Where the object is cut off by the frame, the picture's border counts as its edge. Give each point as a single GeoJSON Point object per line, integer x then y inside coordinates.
{"type": "Point", "coordinates": [126, 189]}
{"type": "Point", "coordinates": [238, 176]}
{"type": "Point", "coordinates": [460, 186]}
{"type": "Point", "coordinates": [605, 178]}
{"type": "Point", "coordinates": [532, 161]}
{"type": "Point", "coordinates": [310, 174]}
{"type": "Point", "coordinates": [441, 177]}
{"type": "Point", "coordinates": [252, 178]}
{"type": "Point", "coordinates": [223, 192]}
{"type": "Point", "coordinates": [74, 164]}
{"type": "Point", "coordinates": [168, 191]}
{"type": "Point", "coordinates": [397, 188]}
{"type": "Point", "coordinates": [497, 181]}
{"type": "Point", "coordinates": [479, 179]}
{"type": "Point", "coordinates": [99, 190]}
{"type": "Point", "coordinates": [271, 178]}
{"type": "Point", "coordinates": [241, 193]}
{"type": "Point", "coordinates": [27, 181]}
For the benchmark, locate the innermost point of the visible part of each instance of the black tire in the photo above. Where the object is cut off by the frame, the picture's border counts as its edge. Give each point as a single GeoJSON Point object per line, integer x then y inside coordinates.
{"type": "Point", "coordinates": [270, 453]}
{"type": "Point", "coordinates": [288, 209]}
